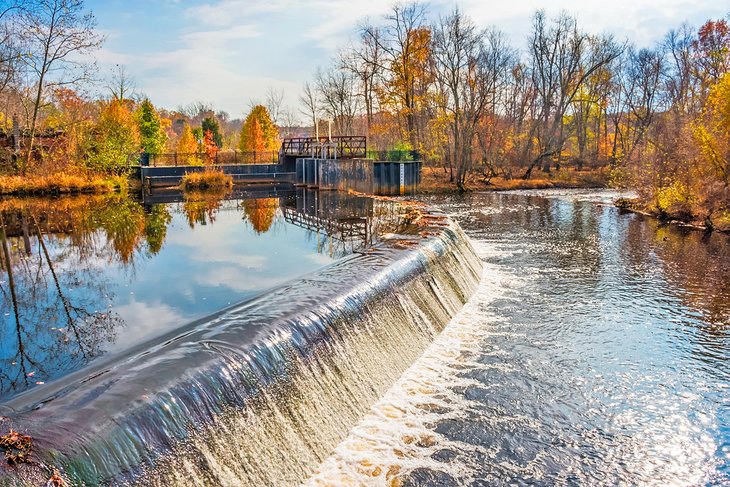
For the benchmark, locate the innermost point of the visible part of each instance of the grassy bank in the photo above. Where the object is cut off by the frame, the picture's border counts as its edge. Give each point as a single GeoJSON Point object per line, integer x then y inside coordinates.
{"type": "Point", "coordinates": [60, 183]}
{"type": "Point", "coordinates": [435, 180]}
{"type": "Point", "coordinates": [206, 180]}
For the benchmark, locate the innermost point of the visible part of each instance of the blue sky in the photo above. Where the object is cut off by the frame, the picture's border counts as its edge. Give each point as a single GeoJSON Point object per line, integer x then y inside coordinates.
{"type": "Point", "coordinates": [229, 52]}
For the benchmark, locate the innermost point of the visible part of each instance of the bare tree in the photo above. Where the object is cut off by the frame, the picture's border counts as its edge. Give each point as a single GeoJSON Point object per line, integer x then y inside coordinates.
{"type": "Point", "coordinates": [338, 97]}
{"type": "Point", "coordinates": [10, 52]}
{"type": "Point", "coordinates": [289, 122]}
{"type": "Point", "coordinates": [197, 110]}
{"type": "Point", "coordinates": [59, 34]}
{"type": "Point", "coordinates": [470, 66]}
{"type": "Point", "coordinates": [562, 58]}
{"type": "Point", "coordinates": [365, 62]}
{"type": "Point", "coordinates": [642, 83]}
{"type": "Point", "coordinates": [274, 104]}
{"type": "Point", "coordinates": [121, 84]}
{"type": "Point", "coordinates": [587, 107]}
{"type": "Point", "coordinates": [310, 103]}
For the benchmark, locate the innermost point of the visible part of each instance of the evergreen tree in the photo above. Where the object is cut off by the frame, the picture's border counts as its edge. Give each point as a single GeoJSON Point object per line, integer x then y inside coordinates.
{"type": "Point", "coordinates": [152, 136]}
{"type": "Point", "coordinates": [210, 123]}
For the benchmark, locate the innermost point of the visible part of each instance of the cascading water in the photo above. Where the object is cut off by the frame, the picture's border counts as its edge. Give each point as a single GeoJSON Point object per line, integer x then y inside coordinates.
{"type": "Point", "coordinates": [594, 352]}
{"type": "Point", "coordinates": [261, 393]}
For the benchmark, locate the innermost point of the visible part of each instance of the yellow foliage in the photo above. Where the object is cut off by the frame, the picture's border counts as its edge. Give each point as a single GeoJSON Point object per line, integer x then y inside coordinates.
{"type": "Point", "coordinates": [60, 183]}
{"type": "Point", "coordinates": [712, 130]}
{"type": "Point", "coordinates": [674, 197]}
{"type": "Point", "coordinates": [188, 146]}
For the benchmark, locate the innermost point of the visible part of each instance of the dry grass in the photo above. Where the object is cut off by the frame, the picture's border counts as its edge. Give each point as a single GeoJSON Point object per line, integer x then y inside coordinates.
{"type": "Point", "coordinates": [206, 180]}
{"type": "Point", "coordinates": [435, 180]}
{"type": "Point", "coordinates": [60, 183]}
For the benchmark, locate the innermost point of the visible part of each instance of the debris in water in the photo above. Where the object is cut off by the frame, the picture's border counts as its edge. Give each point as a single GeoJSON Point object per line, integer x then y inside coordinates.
{"type": "Point", "coordinates": [17, 447]}
{"type": "Point", "coordinates": [56, 480]}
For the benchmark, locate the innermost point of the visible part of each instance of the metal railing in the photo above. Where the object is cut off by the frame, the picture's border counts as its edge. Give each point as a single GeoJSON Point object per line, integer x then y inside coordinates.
{"type": "Point", "coordinates": [341, 146]}
{"type": "Point", "coordinates": [198, 159]}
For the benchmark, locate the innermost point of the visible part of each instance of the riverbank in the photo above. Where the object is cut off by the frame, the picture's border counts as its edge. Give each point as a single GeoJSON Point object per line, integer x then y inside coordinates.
{"type": "Point", "coordinates": [434, 180]}
{"type": "Point", "coordinates": [719, 224]}
{"type": "Point", "coordinates": [61, 183]}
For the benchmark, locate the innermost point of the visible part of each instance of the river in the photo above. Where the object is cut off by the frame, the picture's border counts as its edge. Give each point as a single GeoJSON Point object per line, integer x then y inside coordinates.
{"type": "Point", "coordinates": [595, 352]}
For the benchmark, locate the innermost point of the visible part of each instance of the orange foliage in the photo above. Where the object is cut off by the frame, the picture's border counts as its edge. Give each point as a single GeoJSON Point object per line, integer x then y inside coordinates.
{"type": "Point", "coordinates": [260, 213]}
{"type": "Point", "coordinates": [209, 145]}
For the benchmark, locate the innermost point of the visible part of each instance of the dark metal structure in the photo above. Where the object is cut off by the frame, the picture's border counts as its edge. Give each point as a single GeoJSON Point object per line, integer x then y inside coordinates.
{"type": "Point", "coordinates": [338, 147]}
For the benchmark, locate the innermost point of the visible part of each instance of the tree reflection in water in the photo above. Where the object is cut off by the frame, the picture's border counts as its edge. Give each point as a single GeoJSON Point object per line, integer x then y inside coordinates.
{"type": "Point", "coordinates": [201, 207]}
{"type": "Point", "coordinates": [76, 272]}
{"type": "Point", "coordinates": [56, 306]}
{"type": "Point", "coordinates": [260, 213]}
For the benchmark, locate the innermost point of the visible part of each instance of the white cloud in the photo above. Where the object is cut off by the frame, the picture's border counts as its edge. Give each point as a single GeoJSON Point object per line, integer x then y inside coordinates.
{"type": "Point", "coordinates": [145, 320]}
{"type": "Point", "coordinates": [220, 37]}
{"type": "Point", "coordinates": [231, 51]}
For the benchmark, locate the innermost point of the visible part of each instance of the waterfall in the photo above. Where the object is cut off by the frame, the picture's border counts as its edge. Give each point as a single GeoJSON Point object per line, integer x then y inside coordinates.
{"type": "Point", "coordinates": [260, 393]}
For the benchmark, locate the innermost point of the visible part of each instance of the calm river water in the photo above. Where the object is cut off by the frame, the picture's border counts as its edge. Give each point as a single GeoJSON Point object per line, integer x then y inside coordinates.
{"type": "Point", "coordinates": [595, 352]}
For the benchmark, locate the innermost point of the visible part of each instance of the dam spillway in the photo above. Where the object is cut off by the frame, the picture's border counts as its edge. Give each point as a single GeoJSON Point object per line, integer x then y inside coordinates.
{"type": "Point", "coordinates": [261, 392]}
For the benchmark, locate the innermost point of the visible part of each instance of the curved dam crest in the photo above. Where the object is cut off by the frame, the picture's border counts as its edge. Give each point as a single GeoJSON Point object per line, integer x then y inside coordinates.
{"type": "Point", "coordinates": [259, 393]}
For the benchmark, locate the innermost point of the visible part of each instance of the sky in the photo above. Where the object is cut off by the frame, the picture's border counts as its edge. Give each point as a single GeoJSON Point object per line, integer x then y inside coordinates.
{"type": "Point", "coordinates": [231, 52]}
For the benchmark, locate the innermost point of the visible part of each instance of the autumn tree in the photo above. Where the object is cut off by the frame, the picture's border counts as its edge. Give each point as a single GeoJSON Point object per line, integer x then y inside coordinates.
{"type": "Point", "coordinates": [210, 124]}
{"type": "Point", "coordinates": [74, 115]}
{"type": "Point", "coordinates": [258, 133]}
{"type": "Point", "coordinates": [404, 41]}
{"type": "Point", "coordinates": [260, 213]}
{"type": "Point", "coordinates": [187, 144]}
{"type": "Point", "coordinates": [712, 130]}
{"type": "Point", "coordinates": [712, 46]}
{"type": "Point", "coordinates": [152, 135]}
{"type": "Point", "coordinates": [209, 146]}
{"type": "Point", "coordinates": [59, 35]}
{"type": "Point", "coordinates": [113, 139]}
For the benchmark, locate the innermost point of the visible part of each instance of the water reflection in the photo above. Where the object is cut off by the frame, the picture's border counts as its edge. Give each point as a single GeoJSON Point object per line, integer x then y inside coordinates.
{"type": "Point", "coordinates": [85, 276]}
{"type": "Point", "coordinates": [54, 316]}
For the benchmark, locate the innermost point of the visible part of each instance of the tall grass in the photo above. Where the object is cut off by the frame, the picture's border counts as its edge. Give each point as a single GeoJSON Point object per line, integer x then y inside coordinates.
{"type": "Point", "coordinates": [205, 180]}
{"type": "Point", "coordinates": [60, 183]}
